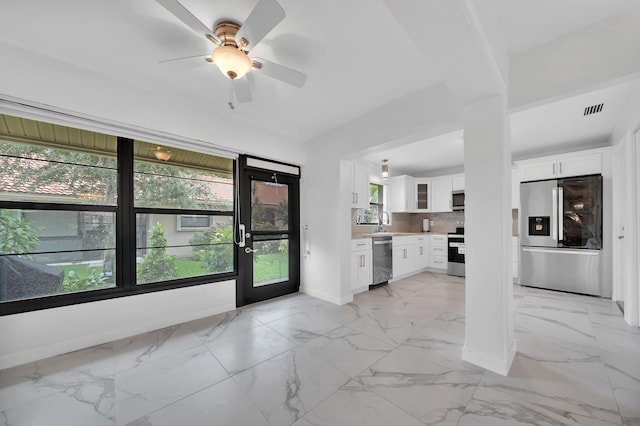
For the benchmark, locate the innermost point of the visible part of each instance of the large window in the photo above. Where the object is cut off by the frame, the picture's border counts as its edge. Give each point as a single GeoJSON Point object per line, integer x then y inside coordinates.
{"type": "Point", "coordinates": [71, 199]}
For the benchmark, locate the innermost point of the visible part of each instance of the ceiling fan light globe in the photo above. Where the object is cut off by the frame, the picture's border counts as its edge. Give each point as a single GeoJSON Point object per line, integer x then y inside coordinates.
{"type": "Point", "coordinates": [232, 62]}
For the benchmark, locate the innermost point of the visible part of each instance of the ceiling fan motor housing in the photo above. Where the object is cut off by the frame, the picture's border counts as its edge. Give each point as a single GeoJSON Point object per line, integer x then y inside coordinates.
{"type": "Point", "coordinates": [229, 56]}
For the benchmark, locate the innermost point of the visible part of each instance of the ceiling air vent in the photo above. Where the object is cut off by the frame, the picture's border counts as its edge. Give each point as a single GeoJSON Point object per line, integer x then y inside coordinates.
{"type": "Point", "coordinates": [593, 109]}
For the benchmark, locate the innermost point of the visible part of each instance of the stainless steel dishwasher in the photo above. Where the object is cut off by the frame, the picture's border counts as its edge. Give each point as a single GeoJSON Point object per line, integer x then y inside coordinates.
{"type": "Point", "coordinates": [382, 260]}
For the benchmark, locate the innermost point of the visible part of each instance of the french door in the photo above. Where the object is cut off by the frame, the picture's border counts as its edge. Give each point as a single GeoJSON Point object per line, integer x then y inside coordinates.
{"type": "Point", "coordinates": [269, 253]}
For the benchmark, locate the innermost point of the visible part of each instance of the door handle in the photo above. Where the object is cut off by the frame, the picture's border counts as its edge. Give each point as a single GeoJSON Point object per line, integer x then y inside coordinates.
{"type": "Point", "coordinates": [560, 212]}
{"type": "Point", "coordinates": [241, 231]}
{"type": "Point", "coordinates": [555, 215]}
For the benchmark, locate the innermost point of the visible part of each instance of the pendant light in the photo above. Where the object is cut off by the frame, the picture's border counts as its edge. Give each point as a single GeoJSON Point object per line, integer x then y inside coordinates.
{"type": "Point", "coordinates": [385, 170]}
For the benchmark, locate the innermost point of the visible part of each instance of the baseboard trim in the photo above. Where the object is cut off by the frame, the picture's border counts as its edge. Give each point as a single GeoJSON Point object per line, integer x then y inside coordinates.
{"type": "Point", "coordinates": [497, 365]}
{"type": "Point", "coordinates": [340, 300]}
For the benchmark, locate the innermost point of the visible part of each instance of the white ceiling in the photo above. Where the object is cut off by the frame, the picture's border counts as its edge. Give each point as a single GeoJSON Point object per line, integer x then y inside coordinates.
{"type": "Point", "coordinates": [527, 24]}
{"type": "Point", "coordinates": [552, 128]}
{"type": "Point", "coordinates": [356, 56]}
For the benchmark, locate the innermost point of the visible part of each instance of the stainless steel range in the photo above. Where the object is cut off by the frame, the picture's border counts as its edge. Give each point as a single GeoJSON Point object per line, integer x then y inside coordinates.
{"type": "Point", "coordinates": [455, 253]}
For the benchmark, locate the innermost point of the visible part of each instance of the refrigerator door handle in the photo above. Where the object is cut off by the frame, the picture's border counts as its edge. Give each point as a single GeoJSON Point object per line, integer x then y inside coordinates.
{"type": "Point", "coordinates": [554, 215]}
{"type": "Point", "coordinates": [560, 214]}
{"type": "Point", "coordinates": [582, 252]}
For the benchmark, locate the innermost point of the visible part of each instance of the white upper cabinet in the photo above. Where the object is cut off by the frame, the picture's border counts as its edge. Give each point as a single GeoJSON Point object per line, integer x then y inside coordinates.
{"type": "Point", "coordinates": [580, 165]}
{"type": "Point", "coordinates": [457, 182]}
{"type": "Point", "coordinates": [403, 194]}
{"type": "Point", "coordinates": [441, 194]}
{"type": "Point", "coordinates": [360, 186]}
{"type": "Point", "coordinates": [577, 164]}
{"type": "Point", "coordinates": [423, 197]}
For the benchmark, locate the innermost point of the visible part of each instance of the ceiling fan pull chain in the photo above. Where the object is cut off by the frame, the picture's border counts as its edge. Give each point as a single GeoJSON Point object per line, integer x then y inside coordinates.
{"type": "Point", "coordinates": [230, 103]}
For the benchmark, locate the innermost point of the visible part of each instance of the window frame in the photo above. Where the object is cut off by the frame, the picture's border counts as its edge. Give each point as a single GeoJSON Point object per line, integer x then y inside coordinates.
{"type": "Point", "coordinates": [181, 228]}
{"type": "Point", "coordinates": [125, 244]}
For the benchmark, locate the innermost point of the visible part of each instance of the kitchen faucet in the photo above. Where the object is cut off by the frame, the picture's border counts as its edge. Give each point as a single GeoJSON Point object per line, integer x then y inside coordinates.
{"type": "Point", "coordinates": [381, 220]}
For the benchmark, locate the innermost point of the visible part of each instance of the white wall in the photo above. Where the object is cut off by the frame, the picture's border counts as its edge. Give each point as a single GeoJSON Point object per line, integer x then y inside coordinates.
{"type": "Point", "coordinates": [607, 222]}
{"type": "Point", "coordinates": [35, 335]}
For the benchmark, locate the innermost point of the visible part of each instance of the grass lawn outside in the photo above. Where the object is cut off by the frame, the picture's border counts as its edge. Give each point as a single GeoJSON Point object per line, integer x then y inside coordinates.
{"type": "Point", "coordinates": [267, 267]}
{"type": "Point", "coordinates": [270, 267]}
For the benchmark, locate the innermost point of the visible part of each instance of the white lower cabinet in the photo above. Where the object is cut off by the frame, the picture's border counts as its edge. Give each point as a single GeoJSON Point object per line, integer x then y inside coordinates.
{"type": "Point", "coordinates": [421, 252]}
{"type": "Point", "coordinates": [361, 264]}
{"type": "Point", "coordinates": [403, 256]}
{"type": "Point", "coordinates": [438, 251]}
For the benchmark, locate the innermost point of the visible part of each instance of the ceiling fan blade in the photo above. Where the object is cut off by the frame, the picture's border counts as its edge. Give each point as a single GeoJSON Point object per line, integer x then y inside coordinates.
{"type": "Point", "coordinates": [280, 72]}
{"type": "Point", "coordinates": [181, 12]}
{"type": "Point", "coordinates": [262, 19]}
{"type": "Point", "coordinates": [184, 62]}
{"type": "Point", "coordinates": [243, 89]}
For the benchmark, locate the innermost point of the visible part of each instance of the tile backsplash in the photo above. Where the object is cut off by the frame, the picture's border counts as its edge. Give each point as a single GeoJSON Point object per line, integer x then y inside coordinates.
{"type": "Point", "coordinates": [442, 223]}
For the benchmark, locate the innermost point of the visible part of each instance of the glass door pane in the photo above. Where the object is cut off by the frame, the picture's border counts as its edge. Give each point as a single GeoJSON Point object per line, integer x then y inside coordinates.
{"type": "Point", "coordinates": [581, 204]}
{"type": "Point", "coordinates": [270, 261]}
{"type": "Point", "coordinates": [423, 196]}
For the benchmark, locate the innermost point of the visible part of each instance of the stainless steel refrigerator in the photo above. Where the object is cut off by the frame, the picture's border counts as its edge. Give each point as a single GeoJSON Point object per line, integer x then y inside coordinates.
{"type": "Point", "coordinates": [561, 234]}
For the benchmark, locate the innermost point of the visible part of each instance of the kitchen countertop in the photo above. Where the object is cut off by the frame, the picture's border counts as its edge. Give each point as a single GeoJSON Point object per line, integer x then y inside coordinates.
{"type": "Point", "coordinates": [390, 234]}
{"type": "Point", "coordinates": [356, 236]}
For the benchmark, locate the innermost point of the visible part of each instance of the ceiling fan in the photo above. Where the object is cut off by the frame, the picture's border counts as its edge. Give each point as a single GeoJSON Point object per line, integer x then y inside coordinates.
{"type": "Point", "coordinates": [233, 42]}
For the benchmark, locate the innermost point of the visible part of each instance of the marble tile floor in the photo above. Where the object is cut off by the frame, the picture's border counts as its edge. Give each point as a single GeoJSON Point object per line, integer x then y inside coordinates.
{"type": "Point", "coordinates": [392, 357]}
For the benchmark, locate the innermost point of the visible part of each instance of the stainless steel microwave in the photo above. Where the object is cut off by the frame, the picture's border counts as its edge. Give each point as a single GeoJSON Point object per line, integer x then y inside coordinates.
{"type": "Point", "coordinates": [457, 200]}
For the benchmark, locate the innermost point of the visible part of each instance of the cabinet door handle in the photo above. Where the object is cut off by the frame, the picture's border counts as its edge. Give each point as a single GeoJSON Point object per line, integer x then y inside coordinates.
{"type": "Point", "coordinates": [560, 166]}
{"type": "Point", "coordinates": [356, 198]}
{"type": "Point", "coordinates": [554, 168]}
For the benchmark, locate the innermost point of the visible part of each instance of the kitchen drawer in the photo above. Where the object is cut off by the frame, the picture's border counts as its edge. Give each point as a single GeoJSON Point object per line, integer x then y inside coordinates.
{"type": "Point", "coordinates": [438, 245]}
{"type": "Point", "coordinates": [361, 244]}
{"type": "Point", "coordinates": [404, 240]}
{"type": "Point", "coordinates": [438, 251]}
{"type": "Point", "coordinates": [438, 239]}
{"type": "Point", "coordinates": [438, 262]}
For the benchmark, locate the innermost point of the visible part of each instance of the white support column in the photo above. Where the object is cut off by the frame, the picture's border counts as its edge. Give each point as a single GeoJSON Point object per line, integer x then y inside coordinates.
{"type": "Point", "coordinates": [489, 339]}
